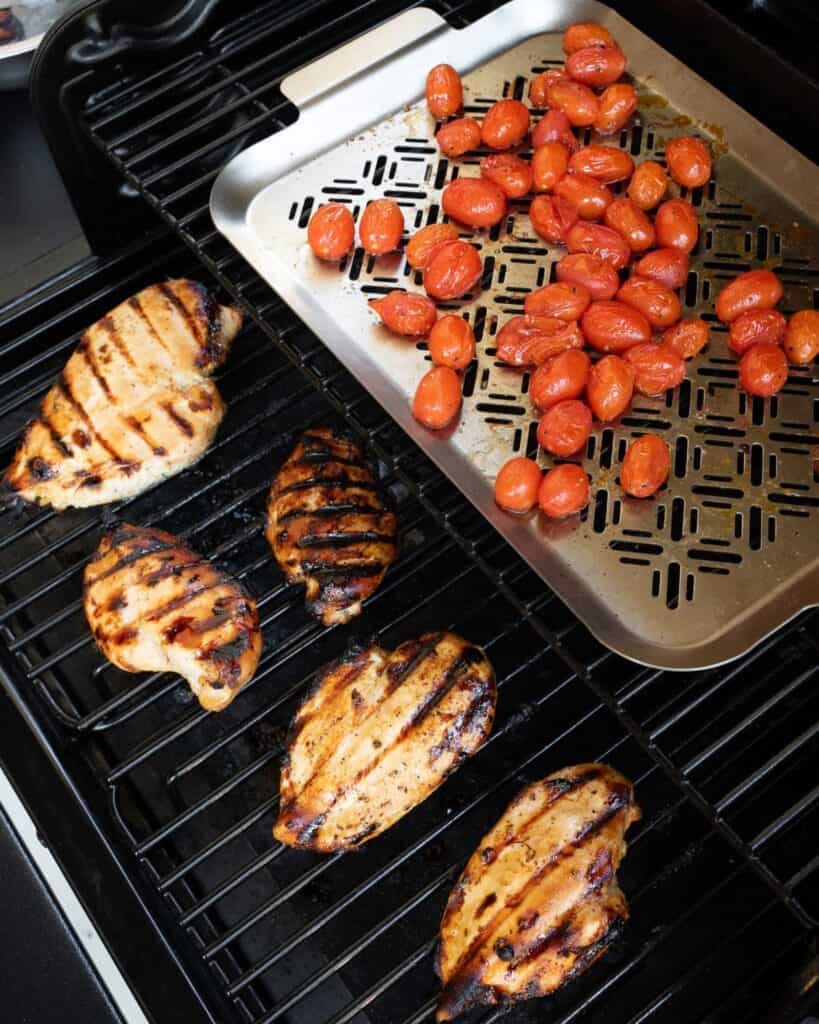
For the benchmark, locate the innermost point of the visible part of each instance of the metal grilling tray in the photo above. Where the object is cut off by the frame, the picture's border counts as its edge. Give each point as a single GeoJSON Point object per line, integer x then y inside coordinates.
{"type": "Point", "coordinates": [729, 550]}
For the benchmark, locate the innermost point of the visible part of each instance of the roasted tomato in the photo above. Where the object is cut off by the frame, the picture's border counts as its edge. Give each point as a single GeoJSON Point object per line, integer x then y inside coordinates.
{"type": "Point", "coordinates": [554, 126]}
{"type": "Point", "coordinates": [528, 340]}
{"type": "Point", "coordinates": [610, 387]}
{"type": "Point", "coordinates": [666, 266]}
{"type": "Point", "coordinates": [611, 326]}
{"type": "Point", "coordinates": [509, 172]}
{"type": "Point", "coordinates": [605, 163]}
{"type": "Point", "coordinates": [598, 278]}
{"type": "Point", "coordinates": [516, 485]}
{"type": "Point", "coordinates": [452, 342]}
{"type": "Point", "coordinates": [425, 240]}
{"type": "Point", "coordinates": [563, 491]}
{"type": "Point", "coordinates": [406, 313]}
{"type": "Point", "coordinates": [658, 304]}
{"type": "Point", "coordinates": [564, 300]}
{"type": "Point", "coordinates": [562, 377]}
{"type": "Point", "coordinates": [576, 101]}
{"type": "Point", "coordinates": [615, 107]}
{"type": "Point", "coordinates": [539, 86]}
{"type": "Point", "coordinates": [474, 201]}
{"type": "Point", "coordinates": [445, 94]}
{"type": "Point", "coordinates": [505, 124]}
{"type": "Point", "coordinates": [381, 227]}
{"type": "Point", "coordinates": [688, 160]}
{"type": "Point", "coordinates": [604, 243]}
{"type": "Point", "coordinates": [802, 337]}
{"type": "Point", "coordinates": [549, 163]}
{"type": "Point", "coordinates": [452, 269]}
{"type": "Point", "coordinates": [596, 66]}
{"type": "Point", "coordinates": [331, 231]}
{"type": "Point", "coordinates": [646, 466]}
{"type": "Point", "coordinates": [628, 220]}
{"type": "Point", "coordinates": [758, 325]}
{"type": "Point", "coordinates": [437, 398]}
{"type": "Point", "coordinates": [552, 217]}
{"type": "Point", "coordinates": [565, 428]}
{"type": "Point", "coordinates": [648, 184]}
{"type": "Point", "coordinates": [586, 194]}
{"type": "Point", "coordinates": [586, 33]}
{"type": "Point", "coordinates": [656, 368]}
{"type": "Point", "coordinates": [459, 136]}
{"type": "Point", "coordinates": [687, 338]}
{"type": "Point", "coordinates": [755, 289]}
{"type": "Point", "coordinates": [675, 225]}
{"type": "Point", "coordinates": [763, 369]}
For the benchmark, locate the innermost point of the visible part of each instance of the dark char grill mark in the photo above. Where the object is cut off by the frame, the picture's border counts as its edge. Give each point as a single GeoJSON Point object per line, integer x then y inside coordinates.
{"type": "Point", "coordinates": [150, 548]}
{"type": "Point", "coordinates": [330, 511]}
{"type": "Point", "coordinates": [343, 540]}
{"type": "Point", "coordinates": [341, 481]}
{"type": "Point", "coordinates": [65, 390]}
{"type": "Point", "coordinates": [110, 328]}
{"type": "Point", "coordinates": [180, 421]}
{"type": "Point", "coordinates": [90, 359]}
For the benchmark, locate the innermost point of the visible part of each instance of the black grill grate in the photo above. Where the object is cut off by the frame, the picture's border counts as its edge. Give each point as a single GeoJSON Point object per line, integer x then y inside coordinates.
{"type": "Point", "coordinates": [720, 874]}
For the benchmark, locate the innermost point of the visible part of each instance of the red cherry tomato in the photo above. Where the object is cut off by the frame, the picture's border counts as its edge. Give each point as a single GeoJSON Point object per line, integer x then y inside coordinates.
{"type": "Point", "coordinates": [554, 126]}
{"type": "Point", "coordinates": [564, 376]}
{"type": "Point", "coordinates": [549, 163]}
{"type": "Point", "coordinates": [563, 491]}
{"type": "Point", "coordinates": [565, 301]}
{"type": "Point", "coordinates": [576, 101]}
{"type": "Point", "coordinates": [598, 278]}
{"type": "Point", "coordinates": [445, 93]}
{"type": "Point", "coordinates": [509, 172]}
{"type": "Point", "coordinates": [459, 136]}
{"type": "Point", "coordinates": [505, 124]}
{"type": "Point", "coordinates": [604, 243]}
{"type": "Point", "coordinates": [657, 368]}
{"type": "Point", "coordinates": [452, 342]}
{"type": "Point", "coordinates": [610, 387]}
{"type": "Point", "coordinates": [605, 163]}
{"type": "Point", "coordinates": [474, 201]}
{"type": "Point", "coordinates": [755, 289]}
{"type": "Point", "coordinates": [331, 231]}
{"type": "Point", "coordinates": [687, 338]}
{"type": "Point", "coordinates": [586, 33]}
{"type": "Point", "coordinates": [615, 107]}
{"type": "Point", "coordinates": [758, 325]}
{"type": "Point", "coordinates": [646, 466]}
{"type": "Point", "coordinates": [452, 269]}
{"type": "Point", "coordinates": [763, 369]}
{"type": "Point", "coordinates": [666, 266]}
{"type": "Point", "coordinates": [437, 398]}
{"type": "Point", "coordinates": [614, 326]}
{"type": "Point", "coordinates": [552, 217]}
{"type": "Point", "coordinates": [406, 312]}
{"type": "Point", "coordinates": [596, 66]}
{"type": "Point", "coordinates": [688, 160]}
{"type": "Point", "coordinates": [527, 340]}
{"type": "Point", "coordinates": [648, 184]}
{"type": "Point", "coordinates": [539, 87]}
{"type": "Point", "coordinates": [516, 485]}
{"type": "Point", "coordinates": [425, 240]}
{"type": "Point", "coordinates": [565, 428]}
{"type": "Point", "coordinates": [586, 194]}
{"type": "Point", "coordinates": [802, 337]}
{"type": "Point", "coordinates": [658, 304]}
{"type": "Point", "coordinates": [628, 220]}
{"type": "Point", "coordinates": [675, 225]}
{"type": "Point", "coordinates": [381, 227]}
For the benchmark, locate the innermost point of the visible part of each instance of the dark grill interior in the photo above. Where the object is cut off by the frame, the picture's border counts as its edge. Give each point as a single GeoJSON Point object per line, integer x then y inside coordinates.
{"type": "Point", "coordinates": [720, 873]}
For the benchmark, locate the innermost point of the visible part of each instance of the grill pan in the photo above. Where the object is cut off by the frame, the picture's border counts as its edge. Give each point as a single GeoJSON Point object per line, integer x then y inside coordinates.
{"type": "Point", "coordinates": [729, 550]}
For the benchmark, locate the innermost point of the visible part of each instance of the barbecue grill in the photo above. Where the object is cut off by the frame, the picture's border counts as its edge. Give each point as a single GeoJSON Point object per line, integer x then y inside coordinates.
{"type": "Point", "coordinates": [166, 811]}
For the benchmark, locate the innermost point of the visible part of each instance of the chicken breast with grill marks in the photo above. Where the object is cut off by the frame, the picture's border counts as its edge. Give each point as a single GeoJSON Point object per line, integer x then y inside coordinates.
{"type": "Point", "coordinates": [538, 901]}
{"type": "Point", "coordinates": [133, 405]}
{"type": "Point", "coordinates": [379, 733]}
{"type": "Point", "coordinates": [328, 525]}
{"type": "Point", "coordinates": [154, 605]}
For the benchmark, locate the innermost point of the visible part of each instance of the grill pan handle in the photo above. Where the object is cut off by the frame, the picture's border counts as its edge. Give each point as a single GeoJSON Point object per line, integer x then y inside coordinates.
{"type": "Point", "coordinates": [344, 64]}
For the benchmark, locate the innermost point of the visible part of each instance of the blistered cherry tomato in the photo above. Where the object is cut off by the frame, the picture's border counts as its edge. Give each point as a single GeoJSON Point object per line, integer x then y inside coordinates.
{"type": "Point", "coordinates": [539, 87]}
{"type": "Point", "coordinates": [802, 337]}
{"type": "Point", "coordinates": [586, 33]}
{"type": "Point", "coordinates": [604, 243]}
{"type": "Point", "coordinates": [406, 312]}
{"type": "Point", "coordinates": [445, 94]}
{"type": "Point", "coordinates": [437, 398]}
{"type": "Point", "coordinates": [755, 289]}
{"type": "Point", "coordinates": [527, 340]}
{"type": "Point", "coordinates": [658, 304]}
{"type": "Point", "coordinates": [598, 278]}
{"type": "Point", "coordinates": [552, 217]}
{"type": "Point", "coordinates": [629, 221]}
{"type": "Point", "coordinates": [459, 136]}
{"type": "Point", "coordinates": [516, 485]}
{"type": "Point", "coordinates": [667, 266]}
{"type": "Point", "coordinates": [563, 491]}
{"type": "Point", "coordinates": [688, 160]}
{"type": "Point", "coordinates": [549, 163]}
{"type": "Point", "coordinates": [687, 338]}
{"type": "Point", "coordinates": [554, 126]}
{"type": "Point", "coordinates": [610, 387]}
{"type": "Point", "coordinates": [331, 231]}
{"type": "Point", "coordinates": [596, 66]}
{"type": "Point", "coordinates": [648, 184]}
{"type": "Point", "coordinates": [452, 342]}
{"type": "Point", "coordinates": [758, 325]}
{"type": "Point", "coordinates": [675, 225]}
{"type": "Point", "coordinates": [564, 300]}
{"type": "Point", "coordinates": [611, 326]}
{"type": "Point", "coordinates": [615, 107]}
{"type": "Point", "coordinates": [505, 124]}
{"type": "Point", "coordinates": [605, 163]}
{"type": "Point", "coordinates": [565, 428]}
{"type": "Point", "coordinates": [474, 201]}
{"type": "Point", "coordinates": [381, 227]}
{"type": "Point", "coordinates": [509, 172]}
{"type": "Point", "coordinates": [763, 369]}
{"type": "Point", "coordinates": [586, 194]}
{"type": "Point", "coordinates": [564, 376]}
{"type": "Point", "coordinates": [425, 240]}
{"type": "Point", "coordinates": [646, 466]}
{"type": "Point", "coordinates": [576, 101]}
{"type": "Point", "coordinates": [452, 269]}
{"type": "Point", "coordinates": [656, 368]}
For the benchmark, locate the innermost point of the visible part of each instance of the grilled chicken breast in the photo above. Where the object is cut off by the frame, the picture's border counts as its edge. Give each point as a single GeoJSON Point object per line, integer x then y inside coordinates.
{"type": "Point", "coordinates": [133, 405]}
{"type": "Point", "coordinates": [538, 901]}
{"type": "Point", "coordinates": [379, 732]}
{"type": "Point", "coordinates": [328, 525]}
{"type": "Point", "coordinates": [154, 605]}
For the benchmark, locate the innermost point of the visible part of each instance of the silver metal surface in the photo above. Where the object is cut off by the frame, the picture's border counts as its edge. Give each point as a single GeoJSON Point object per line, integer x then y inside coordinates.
{"type": "Point", "coordinates": [730, 549]}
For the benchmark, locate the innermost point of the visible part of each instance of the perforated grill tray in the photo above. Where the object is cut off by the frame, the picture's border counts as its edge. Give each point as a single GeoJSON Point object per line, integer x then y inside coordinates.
{"type": "Point", "coordinates": [730, 549]}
